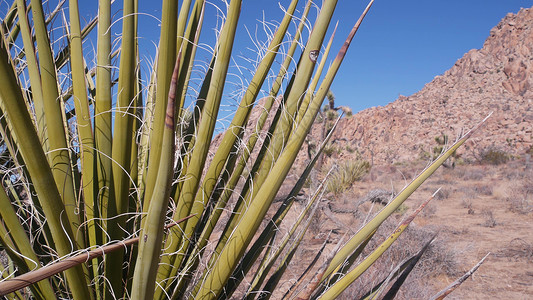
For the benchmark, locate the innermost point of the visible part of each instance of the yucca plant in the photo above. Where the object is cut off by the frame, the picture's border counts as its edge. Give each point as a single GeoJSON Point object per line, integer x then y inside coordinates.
{"type": "Point", "coordinates": [346, 174]}
{"type": "Point", "coordinates": [108, 188]}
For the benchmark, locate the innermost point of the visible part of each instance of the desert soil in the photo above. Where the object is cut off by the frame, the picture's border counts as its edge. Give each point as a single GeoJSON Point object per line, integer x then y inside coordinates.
{"type": "Point", "coordinates": [480, 208]}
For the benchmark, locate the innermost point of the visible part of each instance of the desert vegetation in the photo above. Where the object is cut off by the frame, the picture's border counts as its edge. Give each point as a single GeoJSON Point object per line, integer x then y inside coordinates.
{"type": "Point", "coordinates": [345, 174]}
{"type": "Point", "coordinates": [111, 187]}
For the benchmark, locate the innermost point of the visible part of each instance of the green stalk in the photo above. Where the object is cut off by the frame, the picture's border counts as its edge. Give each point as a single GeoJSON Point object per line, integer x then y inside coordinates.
{"type": "Point", "coordinates": [102, 137]}
{"type": "Point", "coordinates": [137, 125]}
{"type": "Point", "coordinates": [182, 20]}
{"type": "Point", "coordinates": [208, 119]}
{"type": "Point", "coordinates": [81, 104]}
{"type": "Point", "coordinates": [59, 156]}
{"type": "Point", "coordinates": [122, 146]}
{"type": "Point", "coordinates": [152, 231]}
{"type": "Point", "coordinates": [166, 58]}
{"type": "Point", "coordinates": [316, 78]}
{"type": "Point", "coordinates": [40, 172]}
{"type": "Point", "coordinates": [144, 144]}
{"type": "Point", "coordinates": [192, 33]}
{"type": "Point", "coordinates": [33, 72]}
{"type": "Point", "coordinates": [102, 125]}
{"type": "Point", "coordinates": [137, 122]}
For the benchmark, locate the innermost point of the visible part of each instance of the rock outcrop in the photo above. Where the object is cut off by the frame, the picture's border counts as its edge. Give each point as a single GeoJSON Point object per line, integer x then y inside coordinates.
{"type": "Point", "coordinates": [497, 78]}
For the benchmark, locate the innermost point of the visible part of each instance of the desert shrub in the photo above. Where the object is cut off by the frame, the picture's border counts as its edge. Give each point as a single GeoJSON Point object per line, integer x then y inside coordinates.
{"type": "Point", "coordinates": [483, 189]}
{"type": "Point", "coordinates": [441, 140]}
{"type": "Point", "coordinates": [530, 150]}
{"type": "Point", "coordinates": [520, 197]}
{"type": "Point", "coordinates": [489, 219]}
{"type": "Point", "coordinates": [493, 156]}
{"type": "Point", "coordinates": [517, 249]}
{"type": "Point", "coordinates": [346, 174]}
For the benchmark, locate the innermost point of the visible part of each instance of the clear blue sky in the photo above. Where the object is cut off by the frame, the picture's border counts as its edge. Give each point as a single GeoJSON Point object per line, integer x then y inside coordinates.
{"type": "Point", "coordinates": [401, 45]}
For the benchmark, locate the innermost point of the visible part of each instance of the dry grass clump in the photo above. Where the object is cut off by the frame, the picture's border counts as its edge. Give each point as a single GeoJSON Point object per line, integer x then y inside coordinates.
{"type": "Point", "coordinates": [346, 174]}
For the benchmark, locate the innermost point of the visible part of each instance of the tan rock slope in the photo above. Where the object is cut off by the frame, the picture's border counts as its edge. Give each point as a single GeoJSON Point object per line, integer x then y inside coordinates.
{"type": "Point", "coordinates": [497, 78]}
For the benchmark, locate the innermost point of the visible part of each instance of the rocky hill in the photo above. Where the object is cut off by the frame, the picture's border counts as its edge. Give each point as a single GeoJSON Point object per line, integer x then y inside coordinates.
{"type": "Point", "coordinates": [497, 78]}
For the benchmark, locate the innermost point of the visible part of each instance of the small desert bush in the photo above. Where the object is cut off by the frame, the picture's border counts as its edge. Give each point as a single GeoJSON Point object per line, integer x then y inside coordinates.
{"type": "Point", "coordinates": [490, 220]}
{"type": "Point", "coordinates": [346, 174]}
{"type": "Point", "coordinates": [520, 197]}
{"type": "Point", "coordinates": [493, 156]}
{"type": "Point", "coordinates": [517, 249]}
{"type": "Point", "coordinates": [483, 189]}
